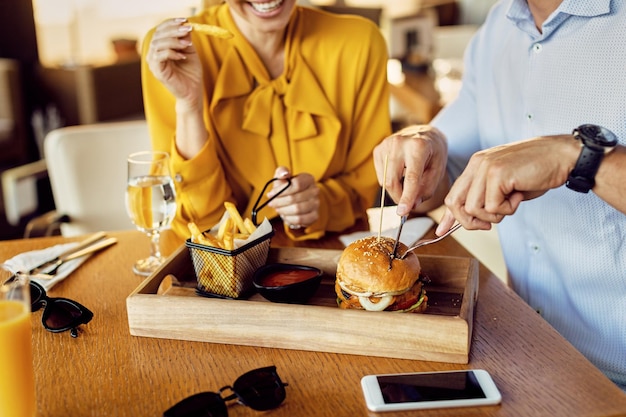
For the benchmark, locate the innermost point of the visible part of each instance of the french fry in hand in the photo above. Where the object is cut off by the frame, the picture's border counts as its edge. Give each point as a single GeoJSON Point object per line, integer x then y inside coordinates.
{"type": "Point", "coordinates": [211, 30]}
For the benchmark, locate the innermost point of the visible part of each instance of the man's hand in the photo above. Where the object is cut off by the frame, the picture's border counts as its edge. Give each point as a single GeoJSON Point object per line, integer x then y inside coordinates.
{"type": "Point", "coordinates": [416, 160]}
{"type": "Point", "coordinates": [498, 179]}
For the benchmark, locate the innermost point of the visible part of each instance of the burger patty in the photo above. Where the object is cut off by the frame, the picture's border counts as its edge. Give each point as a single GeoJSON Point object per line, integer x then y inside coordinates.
{"type": "Point", "coordinates": [414, 297]}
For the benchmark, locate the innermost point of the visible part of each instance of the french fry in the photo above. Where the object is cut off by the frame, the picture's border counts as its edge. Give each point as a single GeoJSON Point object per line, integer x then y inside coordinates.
{"type": "Point", "coordinates": [211, 30]}
{"type": "Point", "coordinates": [226, 225]}
{"type": "Point", "coordinates": [210, 240]}
{"type": "Point", "coordinates": [229, 243]}
{"type": "Point", "coordinates": [232, 227]}
{"type": "Point", "coordinates": [250, 227]}
{"type": "Point", "coordinates": [194, 230]}
{"type": "Point", "coordinates": [234, 214]}
{"type": "Point", "coordinates": [229, 237]}
{"type": "Point", "coordinates": [198, 236]}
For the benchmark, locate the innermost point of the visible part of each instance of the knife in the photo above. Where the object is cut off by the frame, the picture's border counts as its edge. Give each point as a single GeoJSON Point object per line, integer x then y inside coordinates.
{"type": "Point", "coordinates": [62, 259]}
{"type": "Point", "coordinates": [82, 245]}
{"type": "Point", "coordinates": [89, 249]}
{"type": "Point", "coordinates": [395, 245]}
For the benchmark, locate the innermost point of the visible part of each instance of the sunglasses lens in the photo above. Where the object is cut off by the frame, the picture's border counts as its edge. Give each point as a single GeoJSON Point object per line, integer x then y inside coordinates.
{"type": "Point", "coordinates": [260, 389]}
{"type": "Point", "coordinates": [205, 404]}
{"type": "Point", "coordinates": [63, 314]}
{"type": "Point", "coordinates": [36, 296]}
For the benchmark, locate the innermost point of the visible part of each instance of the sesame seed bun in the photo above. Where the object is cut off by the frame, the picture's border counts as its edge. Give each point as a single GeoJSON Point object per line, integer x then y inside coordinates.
{"type": "Point", "coordinates": [364, 267]}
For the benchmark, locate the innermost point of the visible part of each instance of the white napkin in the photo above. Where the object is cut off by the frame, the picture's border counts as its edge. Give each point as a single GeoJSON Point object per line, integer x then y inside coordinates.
{"type": "Point", "coordinates": [413, 229]}
{"type": "Point", "coordinates": [27, 260]}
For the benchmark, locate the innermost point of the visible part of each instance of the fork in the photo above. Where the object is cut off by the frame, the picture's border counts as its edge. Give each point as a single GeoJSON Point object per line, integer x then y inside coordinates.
{"type": "Point", "coordinates": [425, 242]}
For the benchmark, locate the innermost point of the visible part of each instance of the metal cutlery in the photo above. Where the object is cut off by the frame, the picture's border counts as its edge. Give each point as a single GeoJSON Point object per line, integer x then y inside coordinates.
{"type": "Point", "coordinates": [395, 245]}
{"type": "Point", "coordinates": [425, 242]}
{"type": "Point", "coordinates": [50, 273]}
{"type": "Point", "coordinates": [81, 245]}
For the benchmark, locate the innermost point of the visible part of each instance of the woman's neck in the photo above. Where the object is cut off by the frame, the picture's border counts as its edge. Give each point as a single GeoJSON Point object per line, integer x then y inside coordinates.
{"type": "Point", "coordinates": [270, 46]}
{"type": "Point", "coordinates": [271, 50]}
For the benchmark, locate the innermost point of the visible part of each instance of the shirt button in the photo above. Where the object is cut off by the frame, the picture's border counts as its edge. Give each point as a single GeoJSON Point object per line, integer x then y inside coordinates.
{"type": "Point", "coordinates": [537, 48]}
{"type": "Point", "coordinates": [535, 248]}
{"type": "Point", "coordinates": [529, 117]}
{"type": "Point", "coordinates": [178, 178]}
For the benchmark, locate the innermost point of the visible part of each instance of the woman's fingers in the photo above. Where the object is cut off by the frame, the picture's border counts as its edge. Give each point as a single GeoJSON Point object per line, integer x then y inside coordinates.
{"type": "Point", "coordinates": [299, 204]}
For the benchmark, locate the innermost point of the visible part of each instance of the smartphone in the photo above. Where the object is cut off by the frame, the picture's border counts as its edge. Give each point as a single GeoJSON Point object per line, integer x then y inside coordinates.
{"type": "Point", "coordinates": [415, 391]}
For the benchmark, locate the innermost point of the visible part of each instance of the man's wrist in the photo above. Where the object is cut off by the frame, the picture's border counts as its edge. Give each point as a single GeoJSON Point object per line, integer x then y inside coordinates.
{"type": "Point", "coordinates": [596, 141]}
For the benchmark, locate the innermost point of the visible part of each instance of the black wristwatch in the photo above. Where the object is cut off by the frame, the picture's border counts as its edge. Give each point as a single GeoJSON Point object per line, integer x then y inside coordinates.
{"type": "Point", "coordinates": [596, 141]}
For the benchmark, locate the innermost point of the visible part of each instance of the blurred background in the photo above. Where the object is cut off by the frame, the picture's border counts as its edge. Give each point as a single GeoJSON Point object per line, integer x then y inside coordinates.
{"type": "Point", "coordinates": [73, 62]}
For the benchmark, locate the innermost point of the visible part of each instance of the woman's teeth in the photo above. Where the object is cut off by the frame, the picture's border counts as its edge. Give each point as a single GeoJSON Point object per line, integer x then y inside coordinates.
{"type": "Point", "coordinates": [267, 6]}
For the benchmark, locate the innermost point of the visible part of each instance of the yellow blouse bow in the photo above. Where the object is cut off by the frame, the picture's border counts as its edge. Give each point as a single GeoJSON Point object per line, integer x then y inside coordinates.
{"type": "Point", "coordinates": [296, 94]}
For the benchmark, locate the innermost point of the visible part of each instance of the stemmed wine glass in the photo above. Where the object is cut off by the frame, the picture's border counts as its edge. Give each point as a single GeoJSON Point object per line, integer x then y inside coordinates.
{"type": "Point", "coordinates": [150, 202]}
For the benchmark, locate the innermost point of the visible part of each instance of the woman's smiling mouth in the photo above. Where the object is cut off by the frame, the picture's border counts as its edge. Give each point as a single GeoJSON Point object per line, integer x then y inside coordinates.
{"type": "Point", "coordinates": [266, 7]}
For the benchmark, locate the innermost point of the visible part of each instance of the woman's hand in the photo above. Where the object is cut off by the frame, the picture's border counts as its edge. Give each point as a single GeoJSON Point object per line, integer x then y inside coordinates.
{"type": "Point", "coordinates": [298, 205]}
{"type": "Point", "coordinates": [173, 60]}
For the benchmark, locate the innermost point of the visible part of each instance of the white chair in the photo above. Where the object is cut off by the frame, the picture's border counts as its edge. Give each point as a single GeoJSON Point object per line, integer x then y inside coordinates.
{"type": "Point", "coordinates": [87, 170]}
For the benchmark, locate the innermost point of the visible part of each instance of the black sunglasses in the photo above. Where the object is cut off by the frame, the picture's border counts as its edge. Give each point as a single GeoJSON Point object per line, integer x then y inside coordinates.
{"type": "Point", "coordinates": [260, 389]}
{"type": "Point", "coordinates": [59, 314]}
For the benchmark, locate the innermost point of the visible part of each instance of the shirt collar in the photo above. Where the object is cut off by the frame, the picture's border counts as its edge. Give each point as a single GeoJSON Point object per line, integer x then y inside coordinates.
{"type": "Point", "coordinates": [519, 13]}
{"type": "Point", "coordinates": [585, 8]}
{"type": "Point", "coordinates": [518, 9]}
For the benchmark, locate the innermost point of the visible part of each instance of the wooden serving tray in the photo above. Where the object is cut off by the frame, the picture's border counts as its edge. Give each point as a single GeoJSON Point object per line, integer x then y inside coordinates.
{"type": "Point", "coordinates": [442, 334]}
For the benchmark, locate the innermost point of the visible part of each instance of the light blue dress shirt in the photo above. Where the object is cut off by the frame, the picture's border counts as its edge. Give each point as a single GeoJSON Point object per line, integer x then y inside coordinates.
{"type": "Point", "coordinates": [565, 251]}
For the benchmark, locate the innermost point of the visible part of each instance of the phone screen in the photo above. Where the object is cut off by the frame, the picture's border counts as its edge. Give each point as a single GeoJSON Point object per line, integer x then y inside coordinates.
{"type": "Point", "coordinates": [429, 387]}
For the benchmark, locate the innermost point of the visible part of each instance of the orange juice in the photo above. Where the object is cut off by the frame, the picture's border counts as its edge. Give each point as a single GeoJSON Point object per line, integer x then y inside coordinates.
{"type": "Point", "coordinates": [17, 384]}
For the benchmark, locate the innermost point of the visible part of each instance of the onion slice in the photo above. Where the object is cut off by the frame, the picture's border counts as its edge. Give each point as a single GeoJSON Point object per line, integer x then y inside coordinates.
{"type": "Point", "coordinates": [384, 302]}
{"type": "Point", "coordinates": [370, 293]}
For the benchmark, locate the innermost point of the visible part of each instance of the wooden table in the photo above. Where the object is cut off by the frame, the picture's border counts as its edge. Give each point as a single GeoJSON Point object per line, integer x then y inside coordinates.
{"type": "Point", "coordinates": [108, 372]}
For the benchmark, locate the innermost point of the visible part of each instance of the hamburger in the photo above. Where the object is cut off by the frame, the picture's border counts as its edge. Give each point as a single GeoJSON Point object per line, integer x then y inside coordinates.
{"type": "Point", "coordinates": [365, 281]}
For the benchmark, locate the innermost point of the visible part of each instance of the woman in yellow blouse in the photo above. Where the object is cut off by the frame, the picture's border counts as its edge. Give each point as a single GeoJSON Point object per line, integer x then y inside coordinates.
{"type": "Point", "coordinates": [296, 92]}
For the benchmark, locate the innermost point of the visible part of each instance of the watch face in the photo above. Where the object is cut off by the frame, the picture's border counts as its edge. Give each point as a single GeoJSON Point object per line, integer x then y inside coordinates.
{"type": "Point", "coordinates": [596, 137]}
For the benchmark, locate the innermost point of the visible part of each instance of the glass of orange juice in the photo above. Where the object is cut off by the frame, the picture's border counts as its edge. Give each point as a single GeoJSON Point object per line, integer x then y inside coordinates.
{"type": "Point", "coordinates": [17, 385]}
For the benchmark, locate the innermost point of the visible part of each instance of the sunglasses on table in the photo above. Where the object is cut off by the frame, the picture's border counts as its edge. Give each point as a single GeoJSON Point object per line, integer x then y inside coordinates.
{"type": "Point", "coordinates": [260, 389]}
{"type": "Point", "coordinates": [59, 314]}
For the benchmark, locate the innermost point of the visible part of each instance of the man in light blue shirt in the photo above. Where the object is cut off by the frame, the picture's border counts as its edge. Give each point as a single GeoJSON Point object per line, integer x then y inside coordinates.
{"type": "Point", "coordinates": [537, 69]}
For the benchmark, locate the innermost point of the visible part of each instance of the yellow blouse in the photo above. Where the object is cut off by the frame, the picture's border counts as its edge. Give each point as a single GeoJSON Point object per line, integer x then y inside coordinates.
{"type": "Point", "coordinates": [323, 115]}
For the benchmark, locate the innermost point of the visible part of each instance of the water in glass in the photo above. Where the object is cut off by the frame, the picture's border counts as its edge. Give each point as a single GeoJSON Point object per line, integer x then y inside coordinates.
{"type": "Point", "coordinates": [150, 201]}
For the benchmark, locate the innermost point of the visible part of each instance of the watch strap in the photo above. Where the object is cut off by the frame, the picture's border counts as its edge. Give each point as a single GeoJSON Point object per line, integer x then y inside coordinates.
{"type": "Point", "coordinates": [581, 178]}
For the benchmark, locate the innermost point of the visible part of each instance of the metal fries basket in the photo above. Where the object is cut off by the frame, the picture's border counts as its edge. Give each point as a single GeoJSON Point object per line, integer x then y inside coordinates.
{"type": "Point", "coordinates": [228, 274]}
